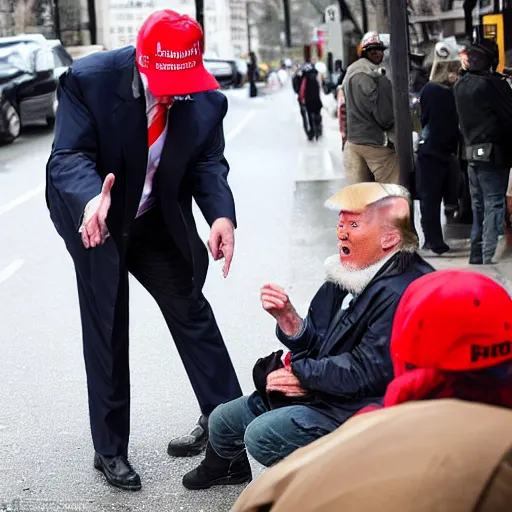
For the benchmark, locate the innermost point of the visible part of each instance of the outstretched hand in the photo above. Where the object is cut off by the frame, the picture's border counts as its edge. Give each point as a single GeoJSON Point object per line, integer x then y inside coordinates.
{"type": "Point", "coordinates": [276, 302]}
{"type": "Point", "coordinates": [94, 227]}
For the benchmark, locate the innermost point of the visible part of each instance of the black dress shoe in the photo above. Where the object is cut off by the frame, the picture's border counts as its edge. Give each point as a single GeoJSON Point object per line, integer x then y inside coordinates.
{"type": "Point", "coordinates": [118, 472]}
{"type": "Point", "coordinates": [214, 470]}
{"type": "Point", "coordinates": [191, 444]}
{"type": "Point", "coordinates": [440, 249]}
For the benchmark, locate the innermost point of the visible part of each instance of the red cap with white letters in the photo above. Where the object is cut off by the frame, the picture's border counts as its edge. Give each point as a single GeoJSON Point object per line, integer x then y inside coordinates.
{"type": "Point", "coordinates": [170, 54]}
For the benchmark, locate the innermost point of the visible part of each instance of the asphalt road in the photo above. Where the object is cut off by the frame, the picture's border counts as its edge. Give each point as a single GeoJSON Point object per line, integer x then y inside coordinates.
{"type": "Point", "coordinates": [280, 182]}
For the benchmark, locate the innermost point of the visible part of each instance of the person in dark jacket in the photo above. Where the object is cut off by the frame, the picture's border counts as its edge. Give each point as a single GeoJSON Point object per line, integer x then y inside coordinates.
{"type": "Point", "coordinates": [138, 135]}
{"type": "Point", "coordinates": [436, 154]}
{"type": "Point", "coordinates": [484, 105]}
{"type": "Point", "coordinates": [339, 360]}
{"type": "Point", "coordinates": [308, 89]}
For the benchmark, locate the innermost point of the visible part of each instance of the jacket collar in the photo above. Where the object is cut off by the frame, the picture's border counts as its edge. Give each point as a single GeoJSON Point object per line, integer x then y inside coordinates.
{"type": "Point", "coordinates": [130, 86]}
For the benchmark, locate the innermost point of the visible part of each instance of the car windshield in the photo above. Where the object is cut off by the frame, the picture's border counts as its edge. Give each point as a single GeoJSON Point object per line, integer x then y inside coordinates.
{"type": "Point", "coordinates": [14, 59]}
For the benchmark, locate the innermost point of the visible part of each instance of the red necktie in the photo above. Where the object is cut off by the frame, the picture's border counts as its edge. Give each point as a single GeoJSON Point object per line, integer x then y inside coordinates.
{"type": "Point", "coordinates": [157, 119]}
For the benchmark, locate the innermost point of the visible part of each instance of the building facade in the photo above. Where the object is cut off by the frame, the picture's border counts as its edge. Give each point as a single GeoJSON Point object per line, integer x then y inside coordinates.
{"type": "Point", "coordinates": [238, 10]}
{"type": "Point", "coordinates": [119, 21]}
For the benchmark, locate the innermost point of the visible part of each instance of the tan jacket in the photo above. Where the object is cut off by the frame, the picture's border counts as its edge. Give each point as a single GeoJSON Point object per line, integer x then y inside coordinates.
{"type": "Point", "coordinates": [432, 456]}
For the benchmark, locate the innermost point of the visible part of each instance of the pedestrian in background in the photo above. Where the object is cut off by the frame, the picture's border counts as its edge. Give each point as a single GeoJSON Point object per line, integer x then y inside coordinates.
{"type": "Point", "coordinates": [310, 101]}
{"type": "Point", "coordinates": [138, 135]}
{"type": "Point", "coordinates": [438, 175]}
{"type": "Point", "coordinates": [367, 102]}
{"type": "Point", "coordinates": [484, 104]}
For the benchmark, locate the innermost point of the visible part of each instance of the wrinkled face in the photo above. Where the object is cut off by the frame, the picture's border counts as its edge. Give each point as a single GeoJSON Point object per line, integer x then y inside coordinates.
{"type": "Point", "coordinates": [360, 240]}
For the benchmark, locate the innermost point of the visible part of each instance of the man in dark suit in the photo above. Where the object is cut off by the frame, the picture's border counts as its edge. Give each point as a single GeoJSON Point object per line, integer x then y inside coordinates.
{"type": "Point", "coordinates": [139, 134]}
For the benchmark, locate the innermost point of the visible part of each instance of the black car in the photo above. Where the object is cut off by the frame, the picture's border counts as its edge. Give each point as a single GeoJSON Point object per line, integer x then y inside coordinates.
{"type": "Point", "coordinates": [29, 71]}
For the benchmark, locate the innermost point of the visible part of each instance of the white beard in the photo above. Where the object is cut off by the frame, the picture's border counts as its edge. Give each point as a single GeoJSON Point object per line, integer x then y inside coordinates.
{"type": "Point", "coordinates": [353, 281]}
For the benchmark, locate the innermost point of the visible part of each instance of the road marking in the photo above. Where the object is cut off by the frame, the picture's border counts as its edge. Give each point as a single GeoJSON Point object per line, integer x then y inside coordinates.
{"type": "Point", "coordinates": [315, 164]}
{"type": "Point", "coordinates": [10, 270]}
{"type": "Point", "coordinates": [40, 188]}
{"type": "Point", "coordinates": [22, 199]}
{"type": "Point", "coordinates": [235, 131]}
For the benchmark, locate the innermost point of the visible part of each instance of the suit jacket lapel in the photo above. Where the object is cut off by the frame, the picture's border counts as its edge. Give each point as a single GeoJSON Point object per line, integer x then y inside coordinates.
{"type": "Point", "coordinates": [131, 122]}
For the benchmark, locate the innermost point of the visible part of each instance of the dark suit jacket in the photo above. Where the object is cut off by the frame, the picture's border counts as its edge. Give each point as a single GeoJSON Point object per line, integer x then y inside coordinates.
{"type": "Point", "coordinates": [101, 128]}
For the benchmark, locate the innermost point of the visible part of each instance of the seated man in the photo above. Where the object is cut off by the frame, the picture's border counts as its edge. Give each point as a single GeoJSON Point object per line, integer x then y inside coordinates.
{"type": "Point", "coordinates": [339, 360]}
{"type": "Point", "coordinates": [443, 439]}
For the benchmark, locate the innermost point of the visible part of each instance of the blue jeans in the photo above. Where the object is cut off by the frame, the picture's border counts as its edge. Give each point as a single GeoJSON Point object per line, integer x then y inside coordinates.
{"type": "Point", "coordinates": [488, 186]}
{"type": "Point", "coordinates": [269, 436]}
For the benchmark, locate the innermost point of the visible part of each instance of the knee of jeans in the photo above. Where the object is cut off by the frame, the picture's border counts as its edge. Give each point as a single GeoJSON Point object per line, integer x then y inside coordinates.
{"type": "Point", "coordinates": [218, 420]}
{"type": "Point", "coordinates": [496, 201]}
{"type": "Point", "coordinates": [261, 444]}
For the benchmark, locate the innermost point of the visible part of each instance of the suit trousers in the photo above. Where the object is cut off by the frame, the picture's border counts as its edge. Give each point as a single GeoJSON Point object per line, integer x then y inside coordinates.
{"type": "Point", "coordinates": [154, 260]}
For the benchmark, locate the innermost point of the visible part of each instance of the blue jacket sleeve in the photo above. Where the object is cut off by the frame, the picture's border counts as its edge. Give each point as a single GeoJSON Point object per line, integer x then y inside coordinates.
{"type": "Point", "coordinates": [209, 179]}
{"type": "Point", "coordinates": [315, 324]}
{"type": "Point", "coordinates": [72, 163]}
{"type": "Point", "coordinates": [304, 339]}
{"type": "Point", "coordinates": [365, 371]}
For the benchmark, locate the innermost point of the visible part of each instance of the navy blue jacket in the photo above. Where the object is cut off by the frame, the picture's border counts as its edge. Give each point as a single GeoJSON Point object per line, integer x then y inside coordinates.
{"type": "Point", "coordinates": [439, 116]}
{"type": "Point", "coordinates": [101, 128]}
{"type": "Point", "coordinates": [343, 357]}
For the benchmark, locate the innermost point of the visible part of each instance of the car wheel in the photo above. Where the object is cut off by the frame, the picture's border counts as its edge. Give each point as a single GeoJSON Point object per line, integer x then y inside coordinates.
{"type": "Point", "coordinates": [50, 120]}
{"type": "Point", "coordinates": [13, 123]}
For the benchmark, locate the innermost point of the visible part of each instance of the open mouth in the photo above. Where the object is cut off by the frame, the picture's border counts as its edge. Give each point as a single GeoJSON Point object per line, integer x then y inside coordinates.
{"type": "Point", "coordinates": [345, 250]}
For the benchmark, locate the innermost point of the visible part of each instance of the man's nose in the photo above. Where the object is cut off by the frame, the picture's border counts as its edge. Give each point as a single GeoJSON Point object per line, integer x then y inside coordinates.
{"type": "Point", "coordinates": [342, 234]}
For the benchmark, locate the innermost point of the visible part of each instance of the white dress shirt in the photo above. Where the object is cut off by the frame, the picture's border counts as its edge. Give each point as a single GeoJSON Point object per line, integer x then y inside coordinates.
{"type": "Point", "coordinates": [147, 201]}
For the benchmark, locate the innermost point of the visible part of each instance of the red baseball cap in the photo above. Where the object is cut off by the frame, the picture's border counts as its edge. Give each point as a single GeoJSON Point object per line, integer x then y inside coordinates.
{"type": "Point", "coordinates": [453, 320]}
{"type": "Point", "coordinates": [170, 54]}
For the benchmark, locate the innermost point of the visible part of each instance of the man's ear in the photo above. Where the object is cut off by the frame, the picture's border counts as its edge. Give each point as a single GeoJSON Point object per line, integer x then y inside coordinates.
{"type": "Point", "coordinates": [390, 239]}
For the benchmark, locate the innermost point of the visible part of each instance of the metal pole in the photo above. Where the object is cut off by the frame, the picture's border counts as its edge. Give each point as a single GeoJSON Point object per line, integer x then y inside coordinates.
{"type": "Point", "coordinates": [287, 25]}
{"type": "Point", "coordinates": [399, 57]}
{"type": "Point", "coordinates": [249, 49]}
{"type": "Point", "coordinates": [56, 19]}
{"type": "Point", "coordinates": [364, 16]}
{"type": "Point", "coordinates": [91, 8]}
{"type": "Point", "coordinates": [199, 4]}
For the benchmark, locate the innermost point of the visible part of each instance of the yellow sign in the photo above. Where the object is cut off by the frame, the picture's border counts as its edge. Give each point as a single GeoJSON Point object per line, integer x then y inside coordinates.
{"type": "Point", "coordinates": [494, 29]}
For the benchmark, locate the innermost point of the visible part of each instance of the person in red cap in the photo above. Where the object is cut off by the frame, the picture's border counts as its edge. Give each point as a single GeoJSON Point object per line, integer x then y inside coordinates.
{"type": "Point", "coordinates": [452, 338]}
{"type": "Point", "coordinates": [139, 133]}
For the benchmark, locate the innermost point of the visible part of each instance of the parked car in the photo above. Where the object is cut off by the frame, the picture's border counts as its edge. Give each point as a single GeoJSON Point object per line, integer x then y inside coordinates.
{"type": "Point", "coordinates": [241, 72]}
{"type": "Point", "coordinates": [229, 73]}
{"type": "Point", "coordinates": [224, 71]}
{"type": "Point", "coordinates": [29, 70]}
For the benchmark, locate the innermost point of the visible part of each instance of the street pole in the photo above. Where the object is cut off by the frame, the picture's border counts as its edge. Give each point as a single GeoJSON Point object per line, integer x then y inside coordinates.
{"type": "Point", "coordinates": [287, 23]}
{"type": "Point", "coordinates": [399, 57]}
{"type": "Point", "coordinates": [56, 19]}
{"type": "Point", "coordinates": [364, 16]}
{"type": "Point", "coordinates": [200, 17]}
{"type": "Point", "coordinates": [91, 8]}
{"type": "Point", "coordinates": [247, 11]}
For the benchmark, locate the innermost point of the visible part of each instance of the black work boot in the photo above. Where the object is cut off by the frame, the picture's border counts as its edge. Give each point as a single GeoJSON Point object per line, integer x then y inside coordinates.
{"type": "Point", "coordinates": [214, 470]}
